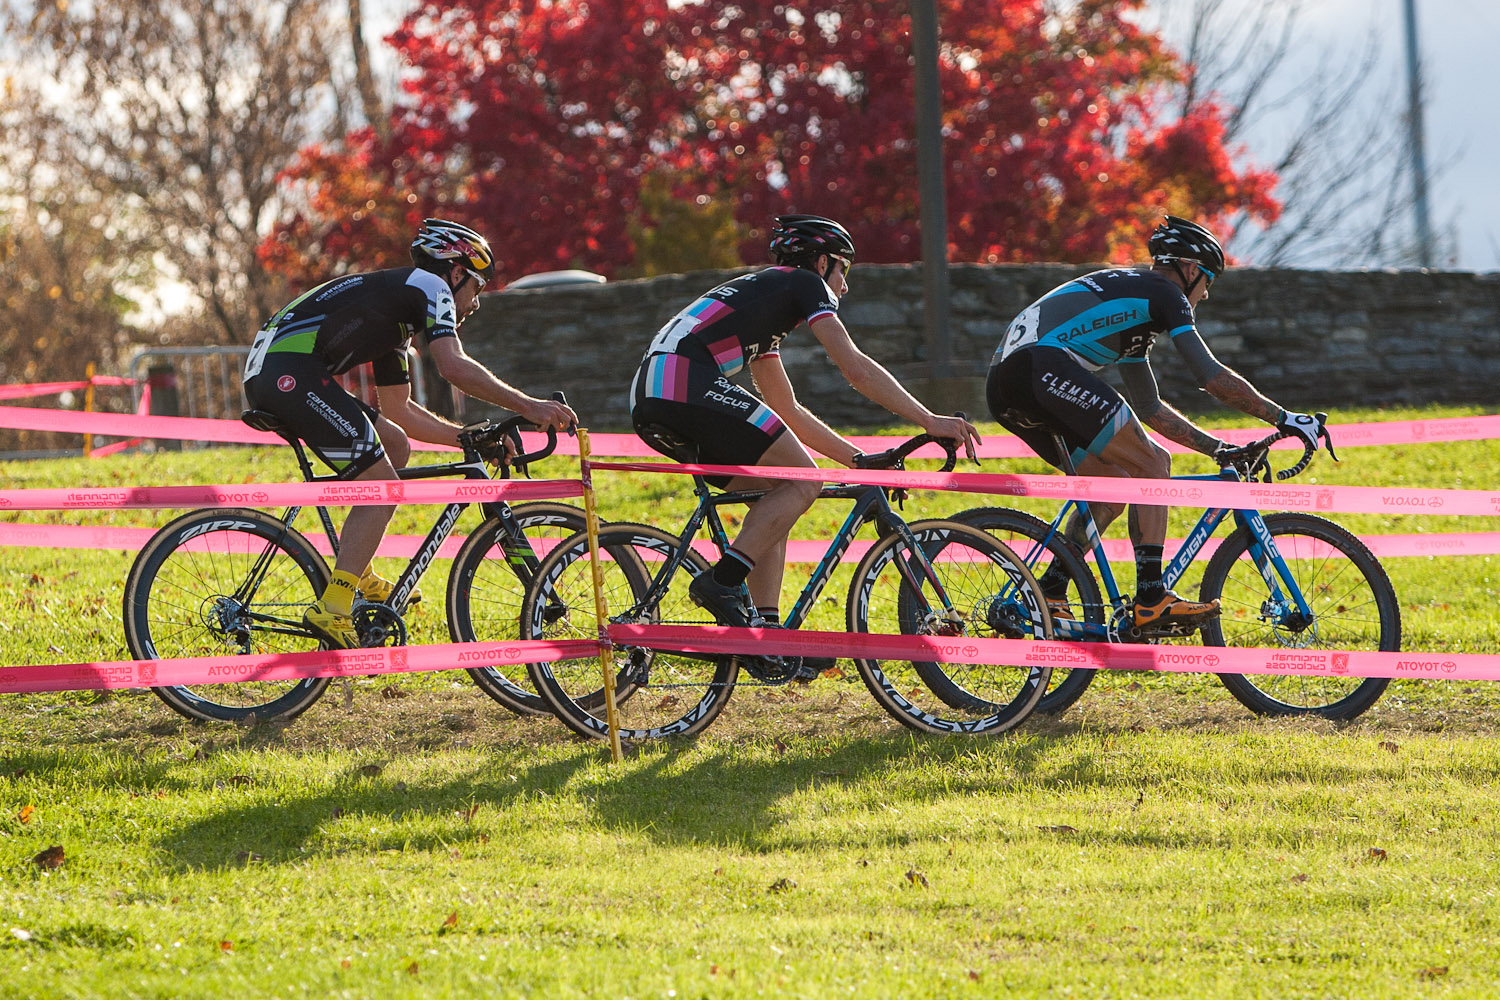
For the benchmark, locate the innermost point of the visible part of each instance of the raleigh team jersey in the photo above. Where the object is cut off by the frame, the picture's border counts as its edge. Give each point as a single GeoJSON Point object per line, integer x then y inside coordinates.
{"type": "Point", "coordinates": [358, 318]}
{"type": "Point", "coordinates": [746, 318]}
{"type": "Point", "coordinates": [1104, 318]}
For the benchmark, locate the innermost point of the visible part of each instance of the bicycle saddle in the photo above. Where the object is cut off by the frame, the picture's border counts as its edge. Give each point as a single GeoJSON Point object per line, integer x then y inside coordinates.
{"type": "Point", "coordinates": [264, 420]}
{"type": "Point", "coordinates": [669, 443]}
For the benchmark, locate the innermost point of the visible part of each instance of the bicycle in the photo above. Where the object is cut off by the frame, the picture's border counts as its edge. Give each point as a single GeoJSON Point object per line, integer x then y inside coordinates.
{"type": "Point", "coordinates": [1289, 580]}
{"type": "Point", "coordinates": [931, 577]}
{"type": "Point", "coordinates": [237, 580]}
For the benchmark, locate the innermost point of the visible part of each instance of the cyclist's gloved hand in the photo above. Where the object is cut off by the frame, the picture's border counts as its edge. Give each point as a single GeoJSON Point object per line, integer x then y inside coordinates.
{"type": "Point", "coordinates": [1307, 425]}
{"type": "Point", "coordinates": [878, 460]}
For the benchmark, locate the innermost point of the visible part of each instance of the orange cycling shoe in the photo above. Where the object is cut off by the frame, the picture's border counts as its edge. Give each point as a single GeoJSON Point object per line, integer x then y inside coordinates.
{"type": "Point", "coordinates": [1171, 611]}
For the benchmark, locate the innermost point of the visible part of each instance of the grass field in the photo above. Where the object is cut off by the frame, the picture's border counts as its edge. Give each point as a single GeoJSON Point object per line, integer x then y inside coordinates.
{"type": "Point", "coordinates": [408, 838]}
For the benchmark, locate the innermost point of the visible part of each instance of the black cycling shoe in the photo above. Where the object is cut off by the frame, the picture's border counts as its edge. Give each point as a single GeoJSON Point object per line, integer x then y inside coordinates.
{"type": "Point", "coordinates": [726, 604]}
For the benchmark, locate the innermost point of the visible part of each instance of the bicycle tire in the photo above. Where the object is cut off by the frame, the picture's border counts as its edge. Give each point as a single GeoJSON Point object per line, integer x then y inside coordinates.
{"type": "Point", "coordinates": [180, 600]}
{"type": "Point", "coordinates": [658, 693]}
{"type": "Point", "coordinates": [1039, 547]}
{"type": "Point", "coordinates": [486, 590]}
{"type": "Point", "coordinates": [1354, 605]}
{"type": "Point", "coordinates": [975, 571]}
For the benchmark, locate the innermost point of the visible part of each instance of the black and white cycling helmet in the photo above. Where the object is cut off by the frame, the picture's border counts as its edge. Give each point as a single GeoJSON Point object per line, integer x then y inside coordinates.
{"type": "Point", "coordinates": [1178, 239]}
{"type": "Point", "coordinates": [439, 244]}
{"type": "Point", "coordinates": [798, 239]}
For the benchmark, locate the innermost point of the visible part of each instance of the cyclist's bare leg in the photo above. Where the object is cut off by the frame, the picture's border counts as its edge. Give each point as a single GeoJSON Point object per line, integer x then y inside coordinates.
{"type": "Point", "coordinates": [364, 527]}
{"type": "Point", "coordinates": [394, 440]}
{"type": "Point", "coordinates": [770, 519]}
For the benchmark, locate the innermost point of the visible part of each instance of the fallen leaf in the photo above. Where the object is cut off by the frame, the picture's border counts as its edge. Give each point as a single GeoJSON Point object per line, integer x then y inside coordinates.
{"type": "Point", "coordinates": [974, 975]}
{"type": "Point", "coordinates": [713, 970]}
{"type": "Point", "coordinates": [833, 674]}
{"type": "Point", "coordinates": [1433, 971]}
{"type": "Point", "coordinates": [239, 779]}
{"type": "Point", "coordinates": [226, 946]}
{"type": "Point", "coordinates": [1377, 854]}
{"type": "Point", "coordinates": [469, 813]}
{"type": "Point", "coordinates": [1299, 878]}
{"type": "Point", "coordinates": [782, 885]}
{"type": "Point", "coordinates": [779, 746]}
{"type": "Point", "coordinates": [452, 921]}
{"type": "Point", "coordinates": [411, 970]}
{"type": "Point", "coordinates": [393, 691]}
{"type": "Point", "coordinates": [25, 814]}
{"type": "Point", "coordinates": [370, 770]}
{"type": "Point", "coordinates": [1389, 747]}
{"type": "Point", "coordinates": [915, 877]}
{"type": "Point", "coordinates": [244, 857]}
{"type": "Point", "coordinates": [1060, 828]}
{"type": "Point", "coordinates": [345, 964]}
{"type": "Point", "coordinates": [52, 857]}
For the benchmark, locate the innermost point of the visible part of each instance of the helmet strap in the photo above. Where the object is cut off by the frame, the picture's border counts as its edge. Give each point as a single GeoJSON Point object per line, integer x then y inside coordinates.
{"type": "Point", "coordinates": [1187, 286]}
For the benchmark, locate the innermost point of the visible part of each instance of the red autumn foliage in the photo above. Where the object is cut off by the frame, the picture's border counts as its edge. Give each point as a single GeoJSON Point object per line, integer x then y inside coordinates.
{"type": "Point", "coordinates": [539, 121]}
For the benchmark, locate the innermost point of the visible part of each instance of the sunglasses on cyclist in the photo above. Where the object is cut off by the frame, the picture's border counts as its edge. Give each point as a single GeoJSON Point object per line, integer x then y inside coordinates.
{"type": "Point", "coordinates": [477, 278]}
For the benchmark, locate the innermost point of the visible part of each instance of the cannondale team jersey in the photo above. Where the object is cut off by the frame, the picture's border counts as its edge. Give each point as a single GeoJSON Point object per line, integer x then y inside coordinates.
{"type": "Point", "coordinates": [1103, 318]}
{"type": "Point", "coordinates": [746, 318]}
{"type": "Point", "coordinates": [358, 318]}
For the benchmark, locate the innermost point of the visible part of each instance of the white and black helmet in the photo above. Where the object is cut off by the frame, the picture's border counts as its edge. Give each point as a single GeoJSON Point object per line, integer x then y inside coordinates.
{"type": "Point", "coordinates": [439, 244]}
{"type": "Point", "coordinates": [1178, 239]}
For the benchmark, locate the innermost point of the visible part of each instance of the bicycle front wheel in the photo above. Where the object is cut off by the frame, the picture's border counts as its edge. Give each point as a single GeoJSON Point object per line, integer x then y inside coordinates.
{"type": "Point", "coordinates": [1351, 602]}
{"type": "Point", "coordinates": [978, 588]}
{"type": "Point", "coordinates": [235, 582]}
{"type": "Point", "coordinates": [657, 692]}
{"type": "Point", "coordinates": [1042, 549]}
{"type": "Point", "coordinates": [487, 587]}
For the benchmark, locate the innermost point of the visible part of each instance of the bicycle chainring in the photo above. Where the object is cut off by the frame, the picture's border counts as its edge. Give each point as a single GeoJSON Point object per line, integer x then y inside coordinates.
{"type": "Point", "coordinates": [378, 625]}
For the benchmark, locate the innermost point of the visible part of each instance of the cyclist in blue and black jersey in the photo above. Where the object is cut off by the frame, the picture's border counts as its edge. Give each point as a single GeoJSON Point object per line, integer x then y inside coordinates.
{"type": "Point", "coordinates": [683, 404]}
{"type": "Point", "coordinates": [1042, 383]}
{"type": "Point", "coordinates": [372, 317]}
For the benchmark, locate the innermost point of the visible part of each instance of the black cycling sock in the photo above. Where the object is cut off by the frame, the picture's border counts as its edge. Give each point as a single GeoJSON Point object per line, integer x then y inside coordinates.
{"type": "Point", "coordinates": [1054, 582]}
{"type": "Point", "coordinates": [1148, 583]}
{"type": "Point", "coordinates": [733, 568]}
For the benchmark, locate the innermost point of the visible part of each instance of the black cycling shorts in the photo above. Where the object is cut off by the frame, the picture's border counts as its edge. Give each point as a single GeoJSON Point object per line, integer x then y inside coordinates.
{"type": "Point", "coordinates": [702, 409]}
{"type": "Point", "coordinates": [1039, 392]}
{"type": "Point", "coordinates": [339, 428]}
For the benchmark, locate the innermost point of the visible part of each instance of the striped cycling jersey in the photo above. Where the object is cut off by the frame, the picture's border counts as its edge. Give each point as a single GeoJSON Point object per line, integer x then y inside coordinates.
{"type": "Point", "coordinates": [745, 318]}
{"type": "Point", "coordinates": [361, 318]}
{"type": "Point", "coordinates": [1103, 318]}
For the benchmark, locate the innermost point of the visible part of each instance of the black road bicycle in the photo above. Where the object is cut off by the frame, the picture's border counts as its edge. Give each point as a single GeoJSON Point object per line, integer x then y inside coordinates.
{"type": "Point", "coordinates": [931, 578]}
{"type": "Point", "coordinates": [1289, 581]}
{"type": "Point", "coordinates": [236, 581]}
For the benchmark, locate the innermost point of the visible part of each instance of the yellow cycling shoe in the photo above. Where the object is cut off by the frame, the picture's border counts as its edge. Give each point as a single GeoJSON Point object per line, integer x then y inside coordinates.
{"type": "Point", "coordinates": [336, 630]}
{"type": "Point", "coordinates": [377, 589]}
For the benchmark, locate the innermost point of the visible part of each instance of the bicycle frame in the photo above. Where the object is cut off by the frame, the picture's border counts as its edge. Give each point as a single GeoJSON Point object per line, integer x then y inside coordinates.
{"type": "Point", "coordinates": [870, 504]}
{"type": "Point", "coordinates": [1263, 551]}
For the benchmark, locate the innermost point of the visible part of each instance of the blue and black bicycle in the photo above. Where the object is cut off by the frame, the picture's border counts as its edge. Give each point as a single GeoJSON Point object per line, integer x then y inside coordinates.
{"type": "Point", "coordinates": [1289, 581]}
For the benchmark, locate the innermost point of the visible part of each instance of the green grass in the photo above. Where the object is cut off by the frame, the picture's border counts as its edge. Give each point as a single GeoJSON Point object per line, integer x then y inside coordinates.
{"type": "Point", "coordinates": [408, 838]}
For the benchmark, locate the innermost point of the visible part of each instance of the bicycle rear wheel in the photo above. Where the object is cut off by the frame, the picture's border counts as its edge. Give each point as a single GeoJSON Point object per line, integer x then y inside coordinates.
{"type": "Point", "coordinates": [487, 587]}
{"type": "Point", "coordinates": [981, 590]}
{"type": "Point", "coordinates": [1353, 607]}
{"type": "Point", "coordinates": [217, 582]}
{"type": "Point", "coordinates": [657, 692]}
{"type": "Point", "coordinates": [1041, 548]}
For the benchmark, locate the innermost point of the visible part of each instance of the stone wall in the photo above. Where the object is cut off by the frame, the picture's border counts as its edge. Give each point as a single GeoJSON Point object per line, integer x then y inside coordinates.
{"type": "Point", "coordinates": [1309, 339]}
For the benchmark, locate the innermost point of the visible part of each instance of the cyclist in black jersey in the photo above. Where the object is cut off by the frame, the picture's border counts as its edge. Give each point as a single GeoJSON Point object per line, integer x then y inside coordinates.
{"type": "Point", "coordinates": [684, 405]}
{"type": "Point", "coordinates": [1042, 383]}
{"type": "Point", "coordinates": [372, 317]}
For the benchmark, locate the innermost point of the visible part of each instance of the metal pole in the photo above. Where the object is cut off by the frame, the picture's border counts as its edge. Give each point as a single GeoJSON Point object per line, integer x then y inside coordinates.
{"type": "Point", "coordinates": [1416, 138]}
{"type": "Point", "coordinates": [934, 219]}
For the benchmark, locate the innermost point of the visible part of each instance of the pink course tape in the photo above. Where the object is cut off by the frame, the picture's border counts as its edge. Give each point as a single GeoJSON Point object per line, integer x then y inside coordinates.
{"type": "Point", "coordinates": [1160, 492]}
{"type": "Point", "coordinates": [285, 666]}
{"type": "Point", "coordinates": [83, 536]}
{"type": "Point", "coordinates": [341, 494]}
{"type": "Point", "coordinates": [629, 446]}
{"type": "Point", "coordinates": [1109, 656]}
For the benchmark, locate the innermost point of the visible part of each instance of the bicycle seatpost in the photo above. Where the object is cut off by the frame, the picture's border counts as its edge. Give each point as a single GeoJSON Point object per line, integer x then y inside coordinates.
{"type": "Point", "coordinates": [1062, 453]}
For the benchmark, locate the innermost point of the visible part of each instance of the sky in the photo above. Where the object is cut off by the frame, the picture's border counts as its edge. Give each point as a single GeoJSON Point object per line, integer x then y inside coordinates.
{"type": "Point", "coordinates": [1458, 40]}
